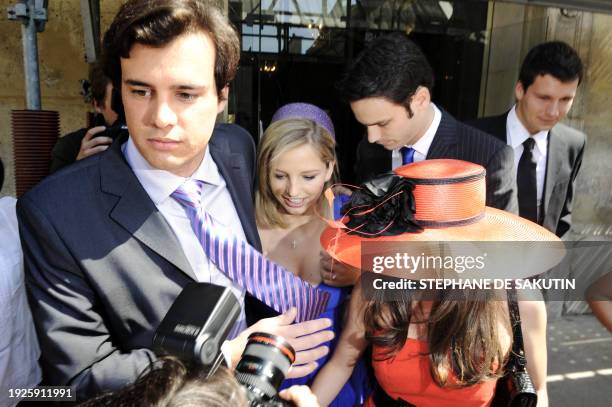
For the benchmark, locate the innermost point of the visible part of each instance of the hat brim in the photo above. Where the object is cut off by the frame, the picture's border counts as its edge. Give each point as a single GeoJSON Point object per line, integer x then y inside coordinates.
{"type": "Point", "coordinates": [495, 226]}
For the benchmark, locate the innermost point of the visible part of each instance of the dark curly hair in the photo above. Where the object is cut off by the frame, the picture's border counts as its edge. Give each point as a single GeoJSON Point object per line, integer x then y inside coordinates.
{"type": "Point", "coordinates": [156, 23]}
{"type": "Point", "coordinates": [391, 66]}
{"type": "Point", "coordinates": [554, 58]}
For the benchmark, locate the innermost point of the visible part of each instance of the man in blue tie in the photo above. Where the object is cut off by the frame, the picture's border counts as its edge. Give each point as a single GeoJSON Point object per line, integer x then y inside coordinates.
{"type": "Point", "coordinates": [109, 245]}
{"type": "Point", "coordinates": [389, 88]}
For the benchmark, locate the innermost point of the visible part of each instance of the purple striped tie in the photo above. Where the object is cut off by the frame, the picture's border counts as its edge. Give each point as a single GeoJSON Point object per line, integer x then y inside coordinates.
{"type": "Point", "coordinates": [241, 263]}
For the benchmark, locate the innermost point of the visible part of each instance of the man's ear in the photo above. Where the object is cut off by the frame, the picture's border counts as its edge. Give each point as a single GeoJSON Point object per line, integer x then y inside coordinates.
{"type": "Point", "coordinates": [519, 90]}
{"type": "Point", "coordinates": [421, 99]}
{"type": "Point", "coordinates": [222, 102]}
{"type": "Point", "coordinates": [96, 106]}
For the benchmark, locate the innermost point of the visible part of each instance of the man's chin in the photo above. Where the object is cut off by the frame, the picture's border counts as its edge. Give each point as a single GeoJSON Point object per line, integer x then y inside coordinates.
{"type": "Point", "coordinates": [387, 146]}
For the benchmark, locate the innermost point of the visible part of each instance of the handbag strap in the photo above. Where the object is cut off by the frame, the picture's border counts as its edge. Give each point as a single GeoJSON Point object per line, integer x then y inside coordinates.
{"type": "Point", "coordinates": [517, 360]}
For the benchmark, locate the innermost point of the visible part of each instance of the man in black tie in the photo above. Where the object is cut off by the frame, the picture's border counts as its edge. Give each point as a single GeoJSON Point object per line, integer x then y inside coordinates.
{"type": "Point", "coordinates": [389, 89]}
{"type": "Point", "coordinates": [547, 154]}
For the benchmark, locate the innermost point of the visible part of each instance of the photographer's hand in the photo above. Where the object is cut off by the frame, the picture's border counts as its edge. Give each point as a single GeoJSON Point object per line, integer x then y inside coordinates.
{"type": "Point", "coordinates": [306, 338]}
{"type": "Point", "coordinates": [302, 396]}
{"type": "Point", "coordinates": [91, 144]}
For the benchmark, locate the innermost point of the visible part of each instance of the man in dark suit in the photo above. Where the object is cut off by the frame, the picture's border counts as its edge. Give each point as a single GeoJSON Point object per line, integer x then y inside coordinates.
{"type": "Point", "coordinates": [548, 166]}
{"type": "Point", "coordinates": [389, 89]}
{"type": "Point", "coordinates": [107, 246]}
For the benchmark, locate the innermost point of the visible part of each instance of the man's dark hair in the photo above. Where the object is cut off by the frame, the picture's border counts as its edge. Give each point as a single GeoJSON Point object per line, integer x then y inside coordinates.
{"type": "Point", "coordinates": [156, 23]}
{"type": "Point", "coordinates": [554, 58]}
{"type": "Point", "coordinates": [98, 81]}
{"type": "Point", "coordinates": [390, 66]}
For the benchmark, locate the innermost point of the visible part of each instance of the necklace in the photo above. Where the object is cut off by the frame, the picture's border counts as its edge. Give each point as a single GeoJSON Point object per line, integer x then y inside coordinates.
{"type": "Point", "coordinates": [293, 244]}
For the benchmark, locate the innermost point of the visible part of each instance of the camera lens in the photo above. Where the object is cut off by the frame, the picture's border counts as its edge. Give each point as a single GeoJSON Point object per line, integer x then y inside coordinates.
{"type": "Point", "coordinates": [264, 364]}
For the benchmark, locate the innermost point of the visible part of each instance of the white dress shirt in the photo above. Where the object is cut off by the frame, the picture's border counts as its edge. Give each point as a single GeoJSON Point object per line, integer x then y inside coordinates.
{"type": "Point", "coordinates": [216, 200]}
{"type": "Point", "coordinates": [516, 135]}
{"type": "Point", "coordinates": [19, 351]}
{"type": "Point", "coordinates": [421, 147]}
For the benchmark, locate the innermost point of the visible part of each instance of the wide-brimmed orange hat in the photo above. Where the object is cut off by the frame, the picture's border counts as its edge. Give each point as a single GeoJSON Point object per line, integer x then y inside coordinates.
{"type": "Point", "coordinates": [449, 199]}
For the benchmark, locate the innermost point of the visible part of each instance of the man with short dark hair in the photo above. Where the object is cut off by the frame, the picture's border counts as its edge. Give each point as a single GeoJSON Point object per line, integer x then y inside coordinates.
{"type": "Point", "coordinates": [389, 89]}
{"type": "Point", "coordinates": [110, 242]}
{"type": "Point", "coordinates": [547, 154]}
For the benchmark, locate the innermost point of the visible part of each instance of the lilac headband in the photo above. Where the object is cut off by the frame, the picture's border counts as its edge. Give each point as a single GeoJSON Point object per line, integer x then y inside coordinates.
{"type": "Point", "coordinates": [305, 111]}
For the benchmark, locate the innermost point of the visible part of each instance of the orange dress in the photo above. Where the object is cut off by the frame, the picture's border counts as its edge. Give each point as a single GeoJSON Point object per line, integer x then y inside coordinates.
{"type": "Point", "coordinates": [407, 376]}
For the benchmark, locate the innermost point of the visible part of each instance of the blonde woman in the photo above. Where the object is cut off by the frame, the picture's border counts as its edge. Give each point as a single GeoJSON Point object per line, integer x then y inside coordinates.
{"type": "Point", "coordinates": [296, 162]}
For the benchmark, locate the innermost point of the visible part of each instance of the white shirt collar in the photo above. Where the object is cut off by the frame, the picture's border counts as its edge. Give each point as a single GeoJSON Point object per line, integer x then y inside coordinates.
{"type": "Point", "coordinates": [517, 133]}
{"type": "Point", "coordinates": [423, 144]}
{"type": "Point", "coordinates": [160, 184]}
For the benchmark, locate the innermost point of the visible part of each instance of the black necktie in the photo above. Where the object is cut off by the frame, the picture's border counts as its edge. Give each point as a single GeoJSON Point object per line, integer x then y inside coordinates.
{"type": "Point", "coordinates": [527, 183]}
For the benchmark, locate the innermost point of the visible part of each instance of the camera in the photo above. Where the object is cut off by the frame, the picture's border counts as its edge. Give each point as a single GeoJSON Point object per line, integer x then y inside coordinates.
{"type": "Point", "coordinates": [262, 368]}
{"type": "Point", "coordinates": [113, 131]}
{"type": "Point", "coordinates": [196, 325]}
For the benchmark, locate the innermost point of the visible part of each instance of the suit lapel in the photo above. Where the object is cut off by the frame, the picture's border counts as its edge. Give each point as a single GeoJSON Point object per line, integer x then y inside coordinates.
{"type": "Point", "coordinates": [556, 147]}
{"type": "Point", "coordinates": [444, 144]}
{"type": "Point", "coordinates": [136, 213]}
{"type": "Point", "coordinates": [233, 168]}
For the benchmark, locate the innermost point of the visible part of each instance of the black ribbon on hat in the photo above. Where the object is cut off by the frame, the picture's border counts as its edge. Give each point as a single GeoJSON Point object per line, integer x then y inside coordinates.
{"type": "Point", "coordinates": [383, 206]}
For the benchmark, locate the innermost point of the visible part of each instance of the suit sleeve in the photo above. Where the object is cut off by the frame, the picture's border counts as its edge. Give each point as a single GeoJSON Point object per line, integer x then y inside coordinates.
{"type": "Point", "coordinates": [76, 347]}
{"type": "Point", "coordinates": [565, 219]}
{"type": "Point", "coordinates": [501, 181]}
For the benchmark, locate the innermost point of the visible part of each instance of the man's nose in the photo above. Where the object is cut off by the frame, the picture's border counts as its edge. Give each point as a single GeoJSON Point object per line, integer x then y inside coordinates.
{"type": "Point", "coordinates": [373, 134]}
{"type": "Point", "coordinates": [163, 115]}
{"type": "Point", "coordinates": [553, 109]}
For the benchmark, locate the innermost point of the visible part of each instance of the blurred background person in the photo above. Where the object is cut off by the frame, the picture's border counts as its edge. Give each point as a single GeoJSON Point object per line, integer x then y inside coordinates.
{"type": "Point", "coordinates": [19, 350]}
{"type": "Point", "coordinates": [599, 297]}
{"type": "Point", "coordinates": [86, 142]}
{"type": "Point", "coordinates": [296, 163]}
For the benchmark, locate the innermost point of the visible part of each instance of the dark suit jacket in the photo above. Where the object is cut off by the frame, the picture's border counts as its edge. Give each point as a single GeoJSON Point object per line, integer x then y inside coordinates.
{"type": "Point", "coordinates": [458, 141]}
{"type": "Point", "coordinates": [66, 150]}
{"type": "Point", "coordinates": [565, 150]}
{"type": "Point", "coordinates": [103, 266]}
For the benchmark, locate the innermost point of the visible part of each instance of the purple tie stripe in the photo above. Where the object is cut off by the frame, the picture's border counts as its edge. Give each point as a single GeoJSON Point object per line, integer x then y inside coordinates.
{"type": "Point", "coordinates": [241, 263]}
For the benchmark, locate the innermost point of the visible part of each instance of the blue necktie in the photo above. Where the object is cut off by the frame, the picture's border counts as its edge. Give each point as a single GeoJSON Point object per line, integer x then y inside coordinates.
{"type": "Point", "coordinates": [407, 155]}
{"type": "Point", "coordinates": [244, 265]}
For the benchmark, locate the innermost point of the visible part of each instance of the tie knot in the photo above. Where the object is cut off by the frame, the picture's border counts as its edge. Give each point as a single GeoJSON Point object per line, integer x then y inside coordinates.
{"type": "Point", "coordinates": [407, 155]}
{"type": "Point", "coordinates": [189, 194]}
{"type": "Point", "coordinates": [529, 144]}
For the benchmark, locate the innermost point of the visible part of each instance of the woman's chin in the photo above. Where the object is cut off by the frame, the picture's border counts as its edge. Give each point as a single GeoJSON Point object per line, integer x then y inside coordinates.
{"type": "Point", "coordinates": [297, 211]}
